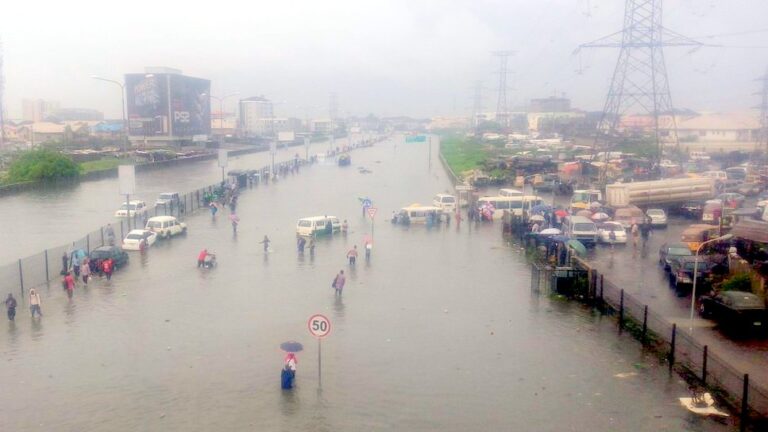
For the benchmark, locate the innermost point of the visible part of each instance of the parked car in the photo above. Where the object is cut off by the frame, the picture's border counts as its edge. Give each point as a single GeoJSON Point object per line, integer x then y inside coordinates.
{"type": "Point", "coordinates": [170, 199]}
{"type": "Point", "coordinates": [166, 226]}
{"type": "Point", "coordinates": [669, 252]}
{"type": "Point", "coordinates": [139, 239]}
{"type": "Point", "coordinates": [658, 217]}
{"type": "Point", "coordinates": [604, 233]}
{"type": "Point", "coordinates": [118, 255]}
{"type": "Point", "coordinates": [735, 310]}
{"type": "Point", "coordinates": [545, 183]}
{"type": "Point", "coordinates": [131, 209]}
{"type": "Point", "coordinates": [681, 273]}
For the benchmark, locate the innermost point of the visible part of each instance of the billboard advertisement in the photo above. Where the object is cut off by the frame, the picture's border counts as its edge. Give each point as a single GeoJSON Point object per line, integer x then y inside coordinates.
{"type": "Point", "coordinates": [147, 104]}
{"type": "Point", "coordinates": [190, 106]}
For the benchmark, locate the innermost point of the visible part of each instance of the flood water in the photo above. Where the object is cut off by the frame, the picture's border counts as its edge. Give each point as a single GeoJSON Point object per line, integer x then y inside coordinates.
{"type": "Point", "coordinates": [439, 331]}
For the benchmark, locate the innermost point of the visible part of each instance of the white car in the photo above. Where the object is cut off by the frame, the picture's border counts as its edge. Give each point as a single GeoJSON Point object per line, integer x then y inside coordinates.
{"type": "Point", "coordinates": [139, 239]}
{"type": "Point", "coordinates": [604, 233]}
{"type": "Point", "coordinates": [658, 217]}
{"type": "Point", "coordinates": [166, 226]}
{"type": "Point", "coordinates": [131, 209]}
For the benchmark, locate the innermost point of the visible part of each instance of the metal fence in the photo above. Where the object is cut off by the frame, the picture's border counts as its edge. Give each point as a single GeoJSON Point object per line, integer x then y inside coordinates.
{"type": "Point", "coordinates": [39, 269]}
{"type": "Point", "coordinates": [679, 346]}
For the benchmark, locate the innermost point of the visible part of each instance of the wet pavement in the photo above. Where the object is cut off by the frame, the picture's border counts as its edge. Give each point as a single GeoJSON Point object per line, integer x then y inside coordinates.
{"type": "Point", "coordinates": [439, 331]}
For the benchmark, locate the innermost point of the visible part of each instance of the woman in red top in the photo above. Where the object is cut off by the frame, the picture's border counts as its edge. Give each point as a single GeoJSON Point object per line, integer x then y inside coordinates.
{"type": "Point", "coordinates": [107, 266]}
{"type": "Point", "coordinates": [69, 284]}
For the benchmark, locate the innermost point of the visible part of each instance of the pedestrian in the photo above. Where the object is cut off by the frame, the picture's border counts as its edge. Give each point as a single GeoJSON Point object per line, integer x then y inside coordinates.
{"type": "Point", "coordinates": [344, 226]}
{"type": "Point", "coordinates": [201, 258]}
{"type": "Point", "coordinates": [368, 248]}
{"type": "Point", "coordinates": [535, 228]}
{"type": "Point", "coordinates": [635, 231]}
{"type": "Point", "coordinates": [311, 246]}
{"type": "Point", "coordinates": [265, 242]}
{"type": "Point", "coordinates": [213, 208]}
{"type": "Point", "coordinates": [338, 282]}
{"type": "Point", "coordinates": [64, 263]}
{"type": "Point", "coordinates": [352, 255]}
{"type": "Point", "coordinates": [300, 243]}
{"type": "Point", "coordinates": [69, 284]}
{"type": "Point", "coordinates": [107, 266]}
{"type": "Point", "coordinates": [85, 270]}
{"type": "Point", "coordinates": [10, 305]}
{"type": "Point", "coordinates": [645, 231]}
{"type": "Point", "coordinates": [34, 303]}
{"type": "Point", "coordinates": [110, 233]}
{"type": "Point", "coordinates": [76, 262]}
{"type": "Point", "coordinates": [235, 220]}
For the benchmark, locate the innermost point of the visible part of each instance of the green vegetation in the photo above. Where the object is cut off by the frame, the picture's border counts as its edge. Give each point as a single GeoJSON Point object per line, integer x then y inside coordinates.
{"type": "Point", "coordinates": [462, 153]}
{"type": "Point", "coordinates": [739, 282]}
{"type": "Point", "coordinates": [42, 165]}
{"type": "Point", "coordinates": [101, 164]}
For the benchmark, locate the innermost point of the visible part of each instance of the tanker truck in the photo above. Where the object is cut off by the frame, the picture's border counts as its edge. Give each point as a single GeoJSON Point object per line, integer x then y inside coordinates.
{"type": "Point", "coordinates": [660, 192]}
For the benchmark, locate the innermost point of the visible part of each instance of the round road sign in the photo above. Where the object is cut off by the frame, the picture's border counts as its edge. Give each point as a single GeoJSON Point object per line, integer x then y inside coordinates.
{"type": "Point", "coordinates": [319, 326]}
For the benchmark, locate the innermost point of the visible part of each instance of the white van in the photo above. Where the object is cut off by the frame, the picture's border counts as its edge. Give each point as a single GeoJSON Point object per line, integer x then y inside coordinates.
{"type": "Point", "coordinates": [445, 202]}
{"type": "Point", "coordinates": [318, 225]}
{"type": "Point", "coordinates": [418, 214]}
{"type": "Point", "coordinates": [166, 226]}
{"type": "Point", "coordinates": [581, 229]}
{"type": "Point", "coordinates": [515, 204]}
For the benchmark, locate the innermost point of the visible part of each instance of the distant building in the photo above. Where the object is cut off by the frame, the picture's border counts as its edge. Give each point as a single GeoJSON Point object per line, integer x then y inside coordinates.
{"type": "Point", "coordinates": [43, 132]}
{"type": "Point", "coordinates": [166, 107]}
{"type": "Point", "coordinates": [255, 116]}
{"type": "Point", "coordinates": [321, 126]}
{"type": "Point", "coordinates": [719, 131]}
{"type": "Point", "coordinates": [75, 114]}
{"type": "Point", "coordinates": [37, 110]}
{"type": "Point", "coordinates": [550, 104]}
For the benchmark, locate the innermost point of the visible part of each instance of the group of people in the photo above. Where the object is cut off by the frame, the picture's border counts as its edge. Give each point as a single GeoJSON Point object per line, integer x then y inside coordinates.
{"type": "Point", "coordinates": [34, 305]}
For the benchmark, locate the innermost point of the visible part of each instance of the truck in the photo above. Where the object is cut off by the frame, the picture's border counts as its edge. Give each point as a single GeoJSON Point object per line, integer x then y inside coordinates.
{"type": "Point", "coordinates": [660, 192]}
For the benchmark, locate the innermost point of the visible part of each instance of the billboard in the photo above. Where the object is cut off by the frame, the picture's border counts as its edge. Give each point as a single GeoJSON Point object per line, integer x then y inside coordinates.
{"type": "Point", "coordinates": [146, 97]}
{"type": "Point", "coordinates": [190, 106]}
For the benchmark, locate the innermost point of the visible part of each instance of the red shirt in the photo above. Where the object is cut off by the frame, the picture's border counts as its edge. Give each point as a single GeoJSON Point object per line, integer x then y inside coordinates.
{"type": "Point", "coordinates": [202, 255]}
{"type": "Point", "coordinates": [70, 281]}
{"type": "Point", "coordinates": [107, 266]}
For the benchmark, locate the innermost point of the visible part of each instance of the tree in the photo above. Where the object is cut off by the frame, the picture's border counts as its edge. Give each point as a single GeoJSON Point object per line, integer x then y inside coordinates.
{"type": "Point", "coordinates": [42, 165]}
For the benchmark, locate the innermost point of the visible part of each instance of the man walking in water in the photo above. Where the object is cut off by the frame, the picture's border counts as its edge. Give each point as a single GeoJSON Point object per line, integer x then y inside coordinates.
{"type": "Point", "coordinates": [34, 303]}
{"type": "Point", "coordinates": [338, 282]}
{"type": "Point", "coordinates": [352, 255]}
{"type": "Point", "coordinates": [265, 242]}
{"type": "Point", "coordinates": [10, 304]}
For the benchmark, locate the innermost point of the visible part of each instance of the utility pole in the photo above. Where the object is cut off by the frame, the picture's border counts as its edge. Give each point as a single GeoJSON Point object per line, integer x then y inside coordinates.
{"type": "Point", "coordinates": [762, 138]}
{"type": "Point", "coordinates": [502, 109]}
{"type": "Point", "coordinates": [640, 77]}
{"type": "Point", "coordinates": [332, 112]}
{"type": "Point", "coordinates": [477, 106]}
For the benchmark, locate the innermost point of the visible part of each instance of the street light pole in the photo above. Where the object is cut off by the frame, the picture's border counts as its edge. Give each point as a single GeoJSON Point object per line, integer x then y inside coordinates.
{"type": "Point", "coordinates": [221, 107]}
{"type": "Point", "coordinates": [122, 99]}
{"type": "Point", "coordinates": [696, 271]}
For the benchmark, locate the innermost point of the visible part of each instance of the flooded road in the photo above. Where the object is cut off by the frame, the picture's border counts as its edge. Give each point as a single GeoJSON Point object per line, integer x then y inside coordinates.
{"type": "Point", "coordinates": [439, 331]}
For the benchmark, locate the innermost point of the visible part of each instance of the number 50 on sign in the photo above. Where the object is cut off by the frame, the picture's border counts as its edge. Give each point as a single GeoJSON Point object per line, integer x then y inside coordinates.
{"type": "Point", "coordinates": [319, 326]}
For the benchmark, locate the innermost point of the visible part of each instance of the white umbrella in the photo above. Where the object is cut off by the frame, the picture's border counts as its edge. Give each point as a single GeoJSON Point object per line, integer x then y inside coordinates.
{"type": "Point", "coordinates": [537, 218]}
{"type": "Point", "coordinates": [600, 216]}
{"type": "Point", "coordinates": [595, 204]}
{"type": "Point", "coordinates": [550, 231]}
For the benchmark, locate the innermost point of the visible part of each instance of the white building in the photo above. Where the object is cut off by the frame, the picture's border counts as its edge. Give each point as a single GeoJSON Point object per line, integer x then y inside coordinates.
{"type": "Point", "coordinates": [256, 116]}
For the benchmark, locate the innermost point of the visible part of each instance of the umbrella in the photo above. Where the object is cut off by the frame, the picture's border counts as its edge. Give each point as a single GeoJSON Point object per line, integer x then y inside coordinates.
{"type": "Point", "coordinates": [560, 238]}
{"type": "Point", "coordinates": [537, 218]}
{"type": "Point", "coordinates": [600, 216]}
{"type": "Point", "coordinates": [577, 246]}
{"type": "Point", "coordinates": [550, 231]}
{"type": "Point", "coordinates": [561, 213]}
{"type": "Point", "coordinates": [541, 208]}
{"type": "Point", "coordinates": [585, 213]}
{"type": "Point", "coordinates": [291, 346]}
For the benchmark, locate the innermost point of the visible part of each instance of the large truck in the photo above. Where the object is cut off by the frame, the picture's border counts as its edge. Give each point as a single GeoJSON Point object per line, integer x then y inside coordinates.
{"type": "Point", "coordinates": [660, 192]}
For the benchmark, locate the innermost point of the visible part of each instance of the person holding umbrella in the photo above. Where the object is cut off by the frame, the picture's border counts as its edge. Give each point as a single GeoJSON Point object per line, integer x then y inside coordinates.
{"type": "Point", "coordinates": [288, 373]}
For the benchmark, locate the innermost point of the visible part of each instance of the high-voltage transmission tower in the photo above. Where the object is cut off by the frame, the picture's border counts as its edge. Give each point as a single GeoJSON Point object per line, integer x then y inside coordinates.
{"type": "Point", "coordinates": [477, 104]}
{"type": "Point", "coordinates": [640, 78]}
{"type": "Point", "coordinates": [762, 138]}
{"type": "Point", "coordinates": [502, 109]}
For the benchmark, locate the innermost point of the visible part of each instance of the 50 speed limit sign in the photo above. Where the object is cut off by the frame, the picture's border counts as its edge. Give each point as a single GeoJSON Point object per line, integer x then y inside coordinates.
{"type": "Point", "coordinates": [319, 325]}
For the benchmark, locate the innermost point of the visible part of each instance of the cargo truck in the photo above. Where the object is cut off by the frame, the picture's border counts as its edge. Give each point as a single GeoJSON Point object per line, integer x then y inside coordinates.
{"type": "Point", "coordinates": [660, 192]}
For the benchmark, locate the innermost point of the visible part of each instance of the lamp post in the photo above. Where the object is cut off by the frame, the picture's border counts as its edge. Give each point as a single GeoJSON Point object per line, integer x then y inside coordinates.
{"type": "Point", "coordinates": [122, 97]}
{"type": "Point", "coordinates": [221, 107]}
{"type": "Point", "coordinates": [696, 270]}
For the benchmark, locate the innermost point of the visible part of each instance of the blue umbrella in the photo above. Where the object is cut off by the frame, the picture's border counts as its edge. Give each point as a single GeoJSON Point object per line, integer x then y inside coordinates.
{"type": "Point", "coordinates": [541, 208]}
{"type": "Point", "coordinates": [291, 346]}
{"type": "Point", "coordinates": [560, 238]}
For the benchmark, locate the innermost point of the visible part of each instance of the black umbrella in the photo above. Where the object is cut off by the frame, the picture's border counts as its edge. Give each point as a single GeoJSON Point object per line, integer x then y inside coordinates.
{"type": "Point", "coordinates": [291, 346]}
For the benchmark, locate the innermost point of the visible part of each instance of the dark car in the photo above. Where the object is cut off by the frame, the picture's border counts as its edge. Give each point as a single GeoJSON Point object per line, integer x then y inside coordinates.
{"type": "Point", "coordinates": [681, 273]}
{"type": "Point", "coordinates": [735, 309]}
{"type": "Point", "coordinates": [692, 210]}
{"type": "Point", "coordinates": [547, 184]}
{"type": "Point", "coordinates": [670, 252]}
{"type": "Point", "coordinates": [119, 256]}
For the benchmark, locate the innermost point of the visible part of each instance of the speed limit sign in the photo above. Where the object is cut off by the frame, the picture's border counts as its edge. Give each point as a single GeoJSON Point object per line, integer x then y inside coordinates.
{"type": "Point", "coordinates": [319, 326]}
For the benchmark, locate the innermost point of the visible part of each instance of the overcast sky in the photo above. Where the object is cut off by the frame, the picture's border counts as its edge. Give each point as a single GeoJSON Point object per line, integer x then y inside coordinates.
{"type": "Point", "coordinates": [411, 57]}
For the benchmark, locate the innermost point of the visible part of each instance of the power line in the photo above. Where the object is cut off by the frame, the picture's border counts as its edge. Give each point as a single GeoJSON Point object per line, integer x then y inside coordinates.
{"type": "Point", "coordinates": [502, 109]}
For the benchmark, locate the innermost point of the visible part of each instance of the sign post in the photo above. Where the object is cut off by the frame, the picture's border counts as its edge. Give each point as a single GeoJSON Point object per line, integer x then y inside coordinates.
{"type": "Point", "coordinates": [126, 177]}
{"type": "Point", "coordinates": [319, 327]}
{"type": "Point", "coordinates": [223, 162]}
{"type": "Point", "coordinates": [306, 148]}
{"type": "Point", "coordinates": [272, 151]}
{"type": "Point", "coordinates": [371, 214]}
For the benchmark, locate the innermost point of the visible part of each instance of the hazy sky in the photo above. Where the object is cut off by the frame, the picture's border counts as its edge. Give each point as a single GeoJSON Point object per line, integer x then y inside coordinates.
{"type": "Point", "coordinates": [409, 57]}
